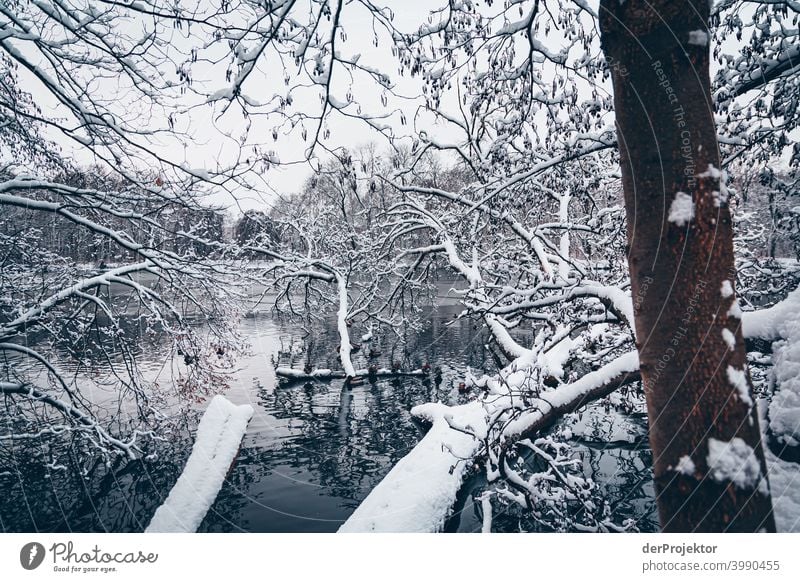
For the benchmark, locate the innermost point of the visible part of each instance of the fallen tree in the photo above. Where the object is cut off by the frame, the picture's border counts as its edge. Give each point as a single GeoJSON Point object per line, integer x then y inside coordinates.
{"type": "Point", "coordinates": [419, 493]}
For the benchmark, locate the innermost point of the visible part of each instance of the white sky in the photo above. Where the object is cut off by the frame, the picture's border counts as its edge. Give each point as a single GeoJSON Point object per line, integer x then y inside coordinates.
{"type": "Point", "coordinates": [215, 139]}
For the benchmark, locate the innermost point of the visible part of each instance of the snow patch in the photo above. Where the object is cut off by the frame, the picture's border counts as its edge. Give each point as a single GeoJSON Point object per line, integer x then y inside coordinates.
{"type": "Point", "coordinates": [698, 37]}
{"type": "Point", "coordinates": [726, 289]}
{"type": "Point", "coordinates": [729, 338]}
{"type": "Point", "coordinates": [215, 447]}
{"type": "Point", "coordinates": [685, 465]}
{"type": "Point", "coordinates": [552, 362]}
{"type": "Point", "coordinates": [733, 461]}
{"type": "Point", "coordinates": [720, 197]}
{"type": "Point", "coordinates": [783, 479]}
{"type": "Point", "coordinates": [738, 380]}
{"type": "Point", "coordinates": [711, 172]}
{"type": "Point", "coordinates": [784, 410]}
{"type": "Point", "coordinates": [781, 322]}
{"type": "Point", "coordinates": [681, 212]}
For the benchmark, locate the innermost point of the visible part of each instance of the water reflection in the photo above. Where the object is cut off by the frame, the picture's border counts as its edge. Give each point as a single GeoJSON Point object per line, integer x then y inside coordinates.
{"type": "Point", "coordinates": [312, 451]}
{"type": "Point", "coordinates": [615, 455]}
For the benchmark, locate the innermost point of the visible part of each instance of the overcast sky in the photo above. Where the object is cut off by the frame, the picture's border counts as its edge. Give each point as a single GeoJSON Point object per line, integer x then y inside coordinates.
{"type": "Point", "coordinates": [215, 139]}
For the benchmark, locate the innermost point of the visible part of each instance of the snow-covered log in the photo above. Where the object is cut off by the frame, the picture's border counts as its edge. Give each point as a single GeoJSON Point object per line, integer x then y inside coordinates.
{"type": "Point", "coordinates": [219, 435]}
{"type": "Point", "coordinates": [418, 494]}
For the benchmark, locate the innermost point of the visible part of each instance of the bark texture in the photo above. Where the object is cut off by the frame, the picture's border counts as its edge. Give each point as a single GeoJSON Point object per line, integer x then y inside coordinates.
{"type": "Point", "coordinates": [709, 465]}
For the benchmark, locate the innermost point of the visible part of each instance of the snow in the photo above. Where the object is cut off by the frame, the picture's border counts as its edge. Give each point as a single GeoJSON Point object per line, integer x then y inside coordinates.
{"type": "Point", "coordinates": [711, 172]}
{"type": "Point", "coordinates": [729, 338]}
{"type": "Point", "coordinates": [504, 339]}
{"type": "Point", "coordinates": [471, 273]}
{"type": "Point", "coordinates": [418, 493]}
{"type": "Point", "coordinates": [486, 507]}
{"type": "Point", "coordinates": [784, 410]}
{"type": "Point", "coordinates": [685, 465]}
{"type": "Point", "coordinates": [698, 37]}
{"type": "Point", "coordinates": [734, 461]}
{"type": "Point", "coordinates": [736, 312]}
{"type": "Point", "coordinates": [726, 289]}
{"type": "Point", "coordinates": [720, 197]}
{"type": "Point", "coordinates": [317, 373]}
{"type": "Point", "coordinates": [773, 323]}
{"type": "Point", "coordinates": [783, 479]}
{"type": "Point", "coordinates": [625, 364]}
{"type": "Point", "coordinates": [327, 373]}
{"type": "Point", "coordinates": [681, 212]}
{"type": "Point", "coordinates": [219, 435]}
{"type": "Point", "coordinates": [552, 361]}
{"type": "Point", "coordinates": [341, 325]}
{"type": "Point", "coordinates": [781, 322]}
{"type": "Point", "coordinates": [738, 380]}
{"type": "Point", "coordinates": [564, 243]}
{"type": "Point", "coordinates": [337, 103]}
{"type": "Point", "coordinates": [620, 299]}
{"type": "Point", "coordinates": [224, 93]}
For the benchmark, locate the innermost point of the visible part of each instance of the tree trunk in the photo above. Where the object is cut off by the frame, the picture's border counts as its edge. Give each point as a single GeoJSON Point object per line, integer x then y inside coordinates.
{"type": "Point", "coordinates": [709, 466]}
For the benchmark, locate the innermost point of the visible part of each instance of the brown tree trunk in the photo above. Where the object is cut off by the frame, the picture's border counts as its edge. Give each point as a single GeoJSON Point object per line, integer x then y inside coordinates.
{"type": "Point", "coordinates": [708, 459]}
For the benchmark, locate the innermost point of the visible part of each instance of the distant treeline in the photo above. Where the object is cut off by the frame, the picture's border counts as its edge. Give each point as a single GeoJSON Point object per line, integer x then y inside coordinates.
{"type": "Point", "coordinates": [173, 227]}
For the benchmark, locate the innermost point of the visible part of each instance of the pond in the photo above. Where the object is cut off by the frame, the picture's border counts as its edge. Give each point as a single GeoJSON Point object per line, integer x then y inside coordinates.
{"type": "Point", "coordinates": [312, 451]}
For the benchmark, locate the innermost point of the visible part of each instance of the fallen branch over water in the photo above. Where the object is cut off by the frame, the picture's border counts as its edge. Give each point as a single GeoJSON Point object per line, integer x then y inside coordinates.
{"type": "Point", "coordinates": [328, 374]}
{"type": "Point", "coordinates": [419, 492]}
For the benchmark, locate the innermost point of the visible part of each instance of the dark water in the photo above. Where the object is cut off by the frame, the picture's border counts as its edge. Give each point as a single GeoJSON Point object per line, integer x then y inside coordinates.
{"type": "Point", "coordinates": [313, 451]}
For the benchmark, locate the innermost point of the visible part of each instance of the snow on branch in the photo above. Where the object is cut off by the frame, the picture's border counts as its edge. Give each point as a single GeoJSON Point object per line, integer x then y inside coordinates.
{"type": "Point", "coordinates": [85, 423]}
{"type": "Point", "coordinates": [418, 494]}
{"type": "Point", "coordinates": [772, 323]}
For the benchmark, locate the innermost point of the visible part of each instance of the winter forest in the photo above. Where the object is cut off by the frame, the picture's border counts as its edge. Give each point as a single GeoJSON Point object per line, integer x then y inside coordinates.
{"type": "Point", "coordinates": [397, 265]}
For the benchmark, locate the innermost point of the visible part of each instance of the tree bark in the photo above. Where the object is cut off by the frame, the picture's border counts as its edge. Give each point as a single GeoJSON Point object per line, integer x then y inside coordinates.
{"type": "Point", "coordinates": [708, 459]}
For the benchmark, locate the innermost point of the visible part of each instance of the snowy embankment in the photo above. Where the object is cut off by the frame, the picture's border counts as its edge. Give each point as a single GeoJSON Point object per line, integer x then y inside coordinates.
{"type": "Point", "coordinates": [219, 435]}
{"type": "Point", "coordinates": [783, 480]}
{"type": "Point", "coordinates": [781, 323]}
